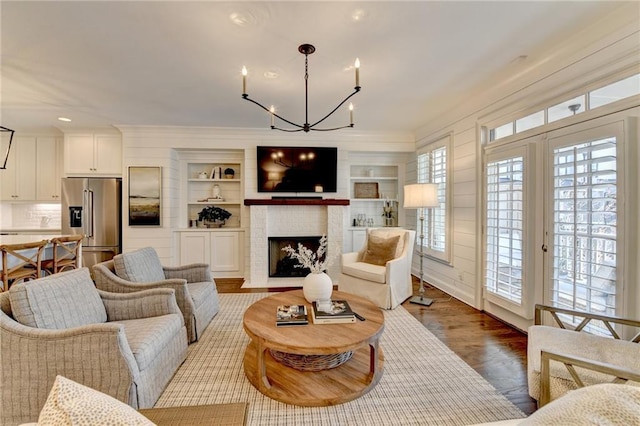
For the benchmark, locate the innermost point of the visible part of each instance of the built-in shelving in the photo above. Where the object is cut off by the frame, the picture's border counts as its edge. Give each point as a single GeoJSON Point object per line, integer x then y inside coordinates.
{"type": "Point", "coordinates": [225, 191]}
{"type": "Point", "coordinates": [381, 181]}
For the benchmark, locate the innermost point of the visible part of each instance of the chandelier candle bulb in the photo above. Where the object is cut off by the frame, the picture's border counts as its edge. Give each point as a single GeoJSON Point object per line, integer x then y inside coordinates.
{"type": "Point", "coordinates": [244, 80]}
{"type": "Point", "coordinates": [272, 110]}
{"type": "Point", "coordinates": [357, 65]}
{"type": "Point", "coordinates": [351, 113]}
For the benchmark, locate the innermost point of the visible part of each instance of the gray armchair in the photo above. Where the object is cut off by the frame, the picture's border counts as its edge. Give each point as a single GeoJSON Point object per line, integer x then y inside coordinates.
{"type": "Point", "coordinates": [196, 292]}
{"type": "Point", "coordinates": [125, 345]}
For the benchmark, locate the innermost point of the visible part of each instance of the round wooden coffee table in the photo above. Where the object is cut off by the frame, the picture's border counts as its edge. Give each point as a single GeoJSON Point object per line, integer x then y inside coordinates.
{"type": "Point", "coordinates": [355, 377]}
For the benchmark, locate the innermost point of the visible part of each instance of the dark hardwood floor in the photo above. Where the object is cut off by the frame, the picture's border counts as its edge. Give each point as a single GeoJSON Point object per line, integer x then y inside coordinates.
{"type": "Point", "coordinates": [495, 350]}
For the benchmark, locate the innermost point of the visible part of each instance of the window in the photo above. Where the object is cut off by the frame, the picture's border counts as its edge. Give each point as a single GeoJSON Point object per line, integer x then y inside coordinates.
{"type": "Point", "coordinates": [504, 228]}
{"type": "Point", "coordinates": [432, 167]}
{"type": "Point", "coordinates": [585, 222]}
{"type": "Point", "coordinates": [566, 109]}
{"type": "Point", "coordinates": [530, 121]}
{"type": "Point", "coordinates": [605, 95]}
{"type": "Point", "coordinates": [615, 91]}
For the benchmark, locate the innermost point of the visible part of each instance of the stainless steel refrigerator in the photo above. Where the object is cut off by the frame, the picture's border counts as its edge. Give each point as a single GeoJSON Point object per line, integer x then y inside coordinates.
{"type": "Point", "coordinates": [93, 207]}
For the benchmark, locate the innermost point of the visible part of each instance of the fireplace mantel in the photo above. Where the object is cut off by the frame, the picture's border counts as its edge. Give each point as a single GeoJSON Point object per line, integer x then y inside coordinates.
{"type": "Point", "coordinates": [295, 201]}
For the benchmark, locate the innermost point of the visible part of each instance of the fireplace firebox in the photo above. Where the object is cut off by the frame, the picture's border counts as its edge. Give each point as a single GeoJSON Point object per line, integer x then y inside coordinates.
{"type": "Point", "coordinates": [281, 265]}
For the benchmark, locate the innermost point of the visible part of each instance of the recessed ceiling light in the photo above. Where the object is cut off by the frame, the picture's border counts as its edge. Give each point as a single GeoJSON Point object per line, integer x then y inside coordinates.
{"type": "Point", "coordinates": [65, 119]}
{"type": "Point", "coordinates": [271, 74]}
{"type": "Point", "coordinates": [243, 19]}
{"type": "Point", "coordinates": [359, 15]}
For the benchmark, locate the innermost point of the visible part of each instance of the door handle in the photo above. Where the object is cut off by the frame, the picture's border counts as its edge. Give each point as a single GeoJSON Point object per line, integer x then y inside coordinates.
{"type": "Point", "coordinates": [544, 248]}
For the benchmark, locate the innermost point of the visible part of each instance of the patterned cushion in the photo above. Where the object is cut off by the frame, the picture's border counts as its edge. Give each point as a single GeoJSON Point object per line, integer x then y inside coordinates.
{"type": "Point", "coordinates": [139, 266]}
{"type": "Point", "coordinates": [64, 300]}
{"type": "Point", "coordinates": [70, 403]}
{"type": "Point", "coordinates": [603, 404]}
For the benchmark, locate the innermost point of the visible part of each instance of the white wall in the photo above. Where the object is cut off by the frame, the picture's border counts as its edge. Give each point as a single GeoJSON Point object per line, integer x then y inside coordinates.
{"type": "Point", "coordinates": [561, 67]}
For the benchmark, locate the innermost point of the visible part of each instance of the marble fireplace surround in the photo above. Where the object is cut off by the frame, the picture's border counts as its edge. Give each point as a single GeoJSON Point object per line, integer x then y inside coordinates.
{"type": "Point", "coordinates": [292, 217]}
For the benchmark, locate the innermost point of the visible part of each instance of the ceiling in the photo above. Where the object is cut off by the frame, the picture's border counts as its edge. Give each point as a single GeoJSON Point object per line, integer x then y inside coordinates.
{"type": "Point", "coordinates": [177, 63]}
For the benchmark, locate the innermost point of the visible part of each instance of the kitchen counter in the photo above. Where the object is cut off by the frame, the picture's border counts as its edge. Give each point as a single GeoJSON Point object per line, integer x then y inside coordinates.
{"type": "Point", "coordinates": [30, 231]}
{"type": "Point", "coordinates": [47, 253]}
{"type": "Point", "coordinates": [26, 238]}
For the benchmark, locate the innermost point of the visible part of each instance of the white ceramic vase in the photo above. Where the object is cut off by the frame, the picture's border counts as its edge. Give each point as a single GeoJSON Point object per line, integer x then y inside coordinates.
{"type": "Point", "coordinates": [317, 287]}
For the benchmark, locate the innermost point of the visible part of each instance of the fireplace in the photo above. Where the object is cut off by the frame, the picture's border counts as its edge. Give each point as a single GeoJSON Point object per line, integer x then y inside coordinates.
{"type": "Point", "coordinates": [281, 265]}
{"type": "Point", "coordinates": [278, 218]}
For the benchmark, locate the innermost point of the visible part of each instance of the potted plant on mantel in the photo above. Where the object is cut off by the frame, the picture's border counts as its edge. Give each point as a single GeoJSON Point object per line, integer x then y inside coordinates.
{"type": "Point", "coordinates": [213, 216]}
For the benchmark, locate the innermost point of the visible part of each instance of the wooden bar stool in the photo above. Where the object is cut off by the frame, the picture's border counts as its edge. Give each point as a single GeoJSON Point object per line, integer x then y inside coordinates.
{"type": "Point", "coordinates": [21, 262]}
{"type": "Point", "coordinates": [66, 254]}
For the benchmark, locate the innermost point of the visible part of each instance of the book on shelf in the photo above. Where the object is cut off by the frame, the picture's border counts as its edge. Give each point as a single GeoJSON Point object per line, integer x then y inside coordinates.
{"type": "Point", "coordinates": [287, 315]}
{"type": "Point", "coordinates": [338, 312]}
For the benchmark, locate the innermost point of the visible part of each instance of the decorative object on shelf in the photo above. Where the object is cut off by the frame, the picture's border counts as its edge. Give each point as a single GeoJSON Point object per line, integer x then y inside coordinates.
{"type": "Point", "coordinates": [317, 284]}
{"type": "Point", "coordinates": [306, 50]}
{"type": "Point", "coordinates": [365, 190]}
{"type": "Point", "coordinates": [388, 213]}
{"type": "Point", "coordinates": [202, 175]}
{"type": "Point", "coordinates": [145, 187]}
{"type": "Point", "coordinates": [213, 216]}
{"type": "Point", "coordinates": [421, 196]}
{"type": "Point", "coordinates": [229, 173]}
{"type": "Point", "coordinates": [216, 191]}
{"type": "Point", "coordinates": [216, 173]}
{"type": "Point", "coordinates": [4, 130]}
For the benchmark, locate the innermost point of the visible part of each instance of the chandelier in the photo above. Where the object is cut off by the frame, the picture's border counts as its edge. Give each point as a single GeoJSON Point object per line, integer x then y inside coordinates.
{"type": "Point", "coordinates": [306, 50]}
{"type": "Point", "coordinates": [10, 137]}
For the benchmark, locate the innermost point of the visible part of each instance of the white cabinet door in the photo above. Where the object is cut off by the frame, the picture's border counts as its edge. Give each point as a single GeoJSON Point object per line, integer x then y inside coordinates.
{"type": "Point", "coordinates": [225, 250]}
{"type": "Point", "coordinates": [222, 250]}
{"type": "Point", "coordinates": [195, 247]}
{"type": "Point", "coordinates": [78, 154]}
{"type": "Point", "coordinates": [48, 168]}
{"type": "Point", "coordinates": [19, 178]}
{"type": "Point", "coordinates": [90, 154]}
{"type": "Point", "coordinates": [108, 154]}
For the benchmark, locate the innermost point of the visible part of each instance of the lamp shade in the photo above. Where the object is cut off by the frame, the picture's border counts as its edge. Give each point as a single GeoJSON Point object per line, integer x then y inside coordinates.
{"type": "Point", "coordinates": [420, 195]}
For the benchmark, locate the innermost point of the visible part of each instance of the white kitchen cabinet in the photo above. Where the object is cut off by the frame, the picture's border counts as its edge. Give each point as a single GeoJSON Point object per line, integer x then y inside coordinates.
{"type": "Point", "coordinates": [49, 164]}
{"type": "Point", "coordinates": [18, 180]}
{"type": "Point", "coordinates": [92, 155]}
{"type": "Point", "coordinates": [221, 249]}
{"type": "Point", "coordinates": [355, 242]}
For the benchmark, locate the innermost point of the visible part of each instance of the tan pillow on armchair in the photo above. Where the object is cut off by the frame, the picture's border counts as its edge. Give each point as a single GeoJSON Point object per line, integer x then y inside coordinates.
{"type": "Point", "coordinates": [380, 250]}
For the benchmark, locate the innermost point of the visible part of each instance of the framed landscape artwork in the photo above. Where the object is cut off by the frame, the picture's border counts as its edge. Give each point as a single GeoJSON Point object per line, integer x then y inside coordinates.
{"type": "Point", "coordinates": [145, 189]}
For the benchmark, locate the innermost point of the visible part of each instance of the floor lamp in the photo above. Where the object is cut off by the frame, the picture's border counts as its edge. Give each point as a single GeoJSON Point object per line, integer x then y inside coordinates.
{"type": "Point", "coordinates": [420, 196]}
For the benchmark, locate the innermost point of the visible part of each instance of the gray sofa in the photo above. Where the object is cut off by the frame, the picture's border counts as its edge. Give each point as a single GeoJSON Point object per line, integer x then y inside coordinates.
{"type": "Point", "coordinates": [196, 292]}
{"type": "Point", "coordinates": [125, 345]}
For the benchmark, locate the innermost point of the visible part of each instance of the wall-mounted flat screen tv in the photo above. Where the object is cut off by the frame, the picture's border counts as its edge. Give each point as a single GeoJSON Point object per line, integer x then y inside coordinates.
{"type": "Point", "coordinates": [297, 169]}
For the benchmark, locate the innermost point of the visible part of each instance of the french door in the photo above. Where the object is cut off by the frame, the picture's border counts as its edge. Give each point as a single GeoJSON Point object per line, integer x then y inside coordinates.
{"type": "Point", "coordinates": [554, 221]}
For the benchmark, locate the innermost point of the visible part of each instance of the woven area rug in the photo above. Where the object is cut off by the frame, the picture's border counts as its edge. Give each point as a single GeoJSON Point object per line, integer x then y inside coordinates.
{"type": "Point", "coordinates": [424, 382]}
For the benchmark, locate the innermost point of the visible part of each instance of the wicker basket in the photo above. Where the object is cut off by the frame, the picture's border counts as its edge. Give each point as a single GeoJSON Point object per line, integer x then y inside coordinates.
{"type": "Point", "coordinates": [311, 362]}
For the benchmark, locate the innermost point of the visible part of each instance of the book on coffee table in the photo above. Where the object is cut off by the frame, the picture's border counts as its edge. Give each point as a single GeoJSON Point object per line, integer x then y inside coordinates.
{"type": "Point", "coordinates": [338, 313]}
{"type": "Point", "coordinates": [287, 315]}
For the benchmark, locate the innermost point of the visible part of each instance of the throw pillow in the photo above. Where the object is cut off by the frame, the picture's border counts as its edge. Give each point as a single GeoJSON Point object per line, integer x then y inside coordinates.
{"type": "Point", "coordinates": [70, 403]}
{"type": "Point", "coordinates": [139, 266]}
{"type": "Point", "coordinates": [380, 250]}
{"type": "Point", "coordinates": [388, 233]}
{"type": "Point", "coordinates": [65, 300]}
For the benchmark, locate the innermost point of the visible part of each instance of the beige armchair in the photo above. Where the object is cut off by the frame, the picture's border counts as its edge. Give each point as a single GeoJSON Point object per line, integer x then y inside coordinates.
{"type": "Point", "coordinates": [126, 345]}
{"type": "Point", "coordinates": [561, 359]}
{"type": "Point", "coordinates": [196, 292]}
{"type": "Point", "coordinates": [381, 270]}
